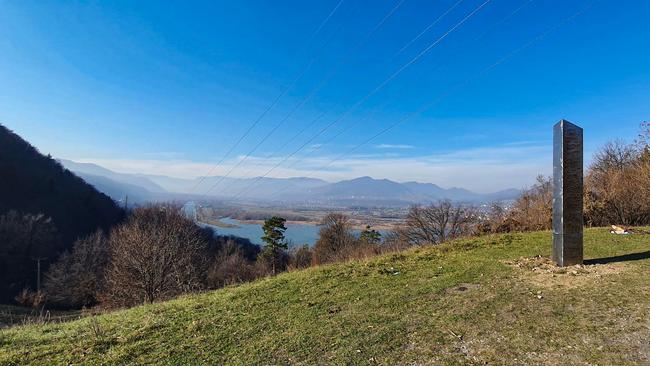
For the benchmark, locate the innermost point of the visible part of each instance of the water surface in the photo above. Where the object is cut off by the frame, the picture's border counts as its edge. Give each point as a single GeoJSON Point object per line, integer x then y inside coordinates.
{"type": "Point", "coordinates": [296, 234]}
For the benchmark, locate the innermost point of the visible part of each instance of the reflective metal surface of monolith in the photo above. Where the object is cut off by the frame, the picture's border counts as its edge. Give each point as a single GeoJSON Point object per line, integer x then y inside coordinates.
{"type": "Point", "coordinates": [567, 194]}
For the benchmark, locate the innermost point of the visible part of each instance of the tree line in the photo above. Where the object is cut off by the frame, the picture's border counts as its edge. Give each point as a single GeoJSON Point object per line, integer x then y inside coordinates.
{"type": "Point", "coordinates": [158, 253]}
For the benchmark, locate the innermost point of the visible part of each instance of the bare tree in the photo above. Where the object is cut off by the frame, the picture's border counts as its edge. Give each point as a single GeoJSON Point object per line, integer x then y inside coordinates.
{"type": "Point", "coordinates": [438, 222]}
{"type": "Point", "coordinates": [617, 191]}
{"type": "Point", "coordinates": [533, 210]}
{"type": "Point", "coordinates": [642, 178]}
{"type": "Point", "coordinates": [615, 155]}
{"type": "Point", "coordinates": [300, 257]}
{"type": "Point", "coordinates": [157, 254]}
{"type": "Point", "coordinates": [616, 186]}
{"type": "Point", "coordinates": [75, 279]}
{"type": "Point", "coordinates": [25, 240]}
{"type": "Point", "coordinates": [26, 235]}
{"type": "Point", "coordinates": [230, 267]}
{"type": "Point", "coordinates": [335, 237]}
{"type": "Point", "coordinates": [643, 140]}
{"type": "Point", "coordinates": [496, 220]}
{"type": "Point", "coordinates": [394, 241]}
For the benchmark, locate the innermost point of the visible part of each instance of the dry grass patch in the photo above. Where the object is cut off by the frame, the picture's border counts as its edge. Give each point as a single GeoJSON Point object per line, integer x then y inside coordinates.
{"type": "Point", "coordinates": [541, 271]}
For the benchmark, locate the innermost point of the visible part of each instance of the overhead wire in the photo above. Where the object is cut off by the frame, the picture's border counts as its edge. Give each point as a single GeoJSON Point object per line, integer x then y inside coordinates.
{"type": "Point", "coordinates": [259, 178]}
{"type": "Point", "coordinates": [307, 126]}
{"type": "Point", "coordinates": [426, 29]}
{"type": "Point", "coordinates": [273, 103]}
{"type": "Point", "coordinates": [453, 89]}
{"type": "Point", "coordinates": [381, 85]}
{"type": "Point", "coordinates": [308, 97]}
{"type": "Point", "coordinates": [403, 48]}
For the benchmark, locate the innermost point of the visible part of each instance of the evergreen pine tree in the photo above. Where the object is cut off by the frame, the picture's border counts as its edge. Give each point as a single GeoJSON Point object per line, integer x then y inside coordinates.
{"type": "Point", "coordinates": [274, 238]}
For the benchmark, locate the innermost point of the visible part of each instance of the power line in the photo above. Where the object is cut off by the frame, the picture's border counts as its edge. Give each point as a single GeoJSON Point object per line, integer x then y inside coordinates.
{"type": "Point", "coordinates": [268, 134]}
{"type": "Point", "coordinates": [344, 130]}
{"type": "Point", "coordinates": [453, 89]}
{"type": "Point", "coordinates": [503, 20]}
{"type": "Point", "coordinates": [336, 69]}
{"type": "Point", "coordinates": [308, 97]}
{"type": "Point", "coordinates": [427, 28]}
{"type": "Point", "coordinates": [487, 31]}
{"type": "Point", "coordinates": [403, 48]}
{"type": "Point", "coordinates": [322, 24]}
{"type": "Point", "coordinates": [275, 101]}
{"type": "Point", "coordinates": [382, 84]}
{"type": "Point", "coordinates": [251, 186]}
{"type": "Point", "coordinates": [305, 128]}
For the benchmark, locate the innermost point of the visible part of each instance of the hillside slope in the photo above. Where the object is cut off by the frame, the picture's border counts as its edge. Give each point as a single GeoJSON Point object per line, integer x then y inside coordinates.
{"type": "Point", "coordinates": [475, 301]}
{"type": "Point", "coordinates": [34, 183]}
{"type": "Point", "coordinates": [31, 183]}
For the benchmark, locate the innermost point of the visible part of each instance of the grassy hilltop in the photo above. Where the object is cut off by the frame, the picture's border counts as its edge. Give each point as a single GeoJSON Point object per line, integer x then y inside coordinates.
{"type": "Point", "coordinates": [470, 301]}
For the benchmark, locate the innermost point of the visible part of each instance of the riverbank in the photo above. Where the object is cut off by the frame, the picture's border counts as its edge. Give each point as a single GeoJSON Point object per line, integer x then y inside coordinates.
{"type": "Point", "coordinates": [356, 225]}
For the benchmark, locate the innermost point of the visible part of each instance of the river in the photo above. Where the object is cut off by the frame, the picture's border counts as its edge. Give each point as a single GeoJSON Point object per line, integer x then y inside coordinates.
{"type": "Point", "coordinates": [296, 234]}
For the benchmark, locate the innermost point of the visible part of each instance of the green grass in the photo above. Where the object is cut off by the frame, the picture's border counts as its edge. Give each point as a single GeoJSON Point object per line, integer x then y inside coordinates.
{"type": "Point", "coordinates": [17, 315]}
{"type": "Point", "coordinates": [459, 303]}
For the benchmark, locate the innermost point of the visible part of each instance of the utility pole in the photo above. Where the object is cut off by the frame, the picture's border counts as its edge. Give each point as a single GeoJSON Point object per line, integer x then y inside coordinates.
{"type": "Point", "coordinates": [126, 203]}
{"type": "Point", "coordinates": [38, 272]}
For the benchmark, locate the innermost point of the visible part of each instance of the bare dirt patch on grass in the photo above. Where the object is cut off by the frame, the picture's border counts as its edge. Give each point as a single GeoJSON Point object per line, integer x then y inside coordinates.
{"type": "Point", "coordinates": [462, 288]}
{"type": "Point", "coordinates": [541, 271]}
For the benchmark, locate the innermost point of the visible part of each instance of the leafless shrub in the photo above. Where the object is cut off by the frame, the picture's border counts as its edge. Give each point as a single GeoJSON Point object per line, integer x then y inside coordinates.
{"type": "Point", "coordinates": [643, 140]}
{"type": "Point", "coordinates": [616, 191]}
{"type": "Point", "coordinates": [497, 220]}
{"type": "Point", "coordinates": [230, 266]}
{"type": "Point", "coordinates": [615, 155]}
{"type": "Point", "coordinates": [300, 257]}
{"type": "Point", "coordinates": [533, 210]}
{"type": "Point", "coordinates": [75, 279]}
{"type": "Point", "coordinates": [438, 222]}
{"type": "Point", "coordinates": [157, 254]}
{"type": "Point", "coordinates": [393, 242]}
{"type": "Point", "coordinates": [32, 299]}
{"type": "Point", "coordinates": [616, 186]}
{"type": "Point", "coordinates": [360, 250]}
{"type": "Point", "coordinates": [335, 237]}
{"type": "Point", "coordinates": [642, 176]}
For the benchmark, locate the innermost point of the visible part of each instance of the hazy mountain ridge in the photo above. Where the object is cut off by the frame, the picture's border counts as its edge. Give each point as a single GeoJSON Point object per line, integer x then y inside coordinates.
{"type": "Point", "coordinates": [99, 171]}
{"type": "Point", "coordinates": [390, 192]}
{"type": "Point", "coordinates": [362, 190]}
{"type": "Point", "coordinates": [119, 191]}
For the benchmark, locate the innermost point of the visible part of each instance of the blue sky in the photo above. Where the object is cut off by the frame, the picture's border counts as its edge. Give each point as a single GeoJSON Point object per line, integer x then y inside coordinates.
{"type": "Point", "coordinates": [168, 88]}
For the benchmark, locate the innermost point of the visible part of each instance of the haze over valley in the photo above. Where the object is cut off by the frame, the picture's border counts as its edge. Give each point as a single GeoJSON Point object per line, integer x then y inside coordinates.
{"type": "Point", "coordinates": [141, 188]}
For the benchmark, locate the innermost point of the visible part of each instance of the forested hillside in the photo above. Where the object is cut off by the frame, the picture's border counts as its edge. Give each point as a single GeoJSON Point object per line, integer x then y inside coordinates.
{"type": "Point", "coordinates": [43, 209]}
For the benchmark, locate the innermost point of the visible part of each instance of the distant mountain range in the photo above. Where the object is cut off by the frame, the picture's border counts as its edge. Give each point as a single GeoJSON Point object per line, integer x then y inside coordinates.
{"type": "Point", "coordinates": [359, 191]}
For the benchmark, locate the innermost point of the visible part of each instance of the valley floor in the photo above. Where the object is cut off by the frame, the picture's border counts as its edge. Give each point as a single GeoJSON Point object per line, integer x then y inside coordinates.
{"type": "Point", "coordinates": [483, 300]}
